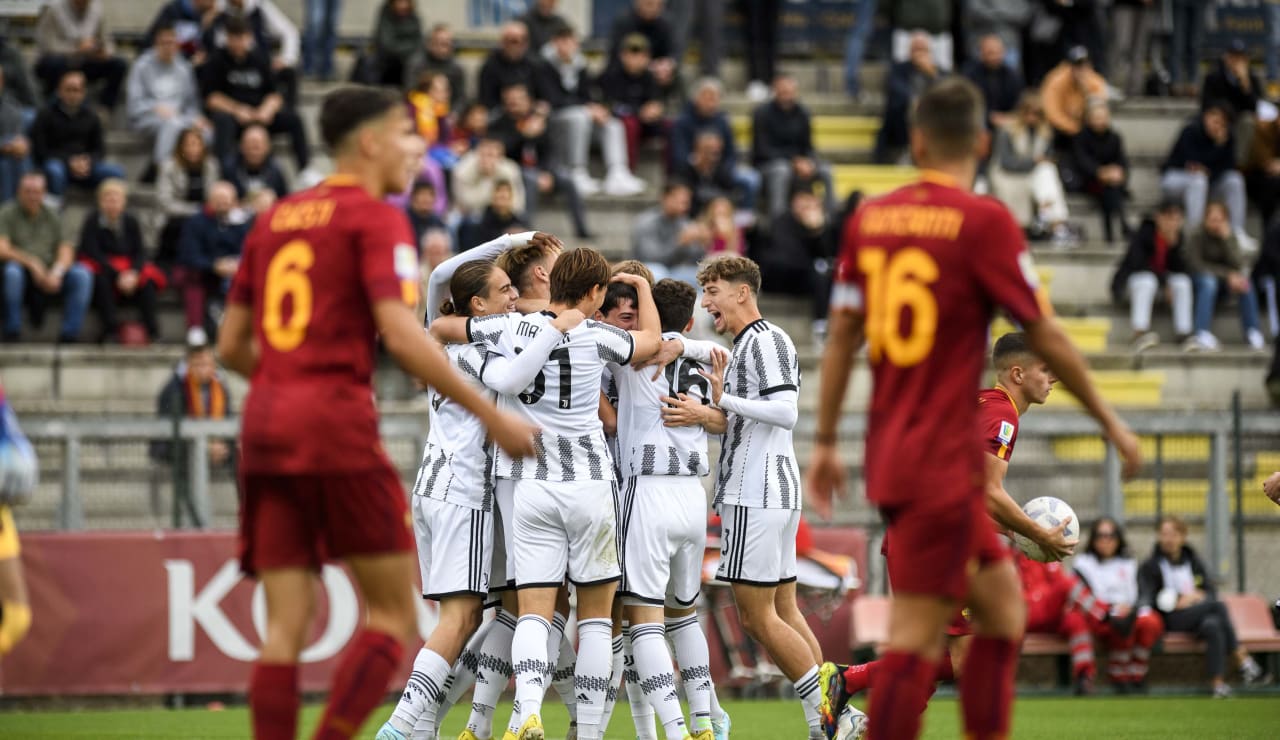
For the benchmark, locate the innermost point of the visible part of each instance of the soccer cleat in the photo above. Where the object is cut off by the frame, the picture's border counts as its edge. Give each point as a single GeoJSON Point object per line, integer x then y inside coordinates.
{"type": "Point", "coordinates": [720, 728]}
{"type": "Point", "coordinates": [853, 724]}
{"type": "Point", "coordinates": [508, 735]}
{"type": "Point", "coordinates": [467, 735]}
{"type": "Point", "coordinates": [704, 735]}
{"type": "Point", "coordinates": [833, 698]}
{"type": "Point", "coordinates": [532, 729]}
{"type": "Point", "coordinates": [389, 732]}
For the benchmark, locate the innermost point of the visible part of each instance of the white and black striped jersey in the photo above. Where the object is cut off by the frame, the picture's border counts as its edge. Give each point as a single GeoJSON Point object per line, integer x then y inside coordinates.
{"type": "Point", "coordinates": [757, 465]}
{"type": "Point", "coordinates": [609, 387]}
{"type": "Point", "coordinates": [645, 445]}
{"type": "Point", "coordinates": [457, 461]}
{"type": "Point", "coordinates": [563, 400]}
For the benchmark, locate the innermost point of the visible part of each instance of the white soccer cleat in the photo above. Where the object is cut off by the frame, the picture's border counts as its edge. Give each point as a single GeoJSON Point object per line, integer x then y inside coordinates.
{"type": "Point", "coordinates": [389, 732]}
{"type": "Point", "coordinates": [852, 724]}
{"type": "Point", "coordinates": [721, 729]}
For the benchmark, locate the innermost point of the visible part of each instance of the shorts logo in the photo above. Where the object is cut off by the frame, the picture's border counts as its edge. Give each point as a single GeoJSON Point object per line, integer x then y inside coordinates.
{"type": "Point", "coordinates": [405, 259]}
{"type": "Point", "coordinates": [1005, 435]}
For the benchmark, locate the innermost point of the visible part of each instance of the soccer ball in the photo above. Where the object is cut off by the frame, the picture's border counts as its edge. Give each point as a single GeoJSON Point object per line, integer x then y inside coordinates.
{"type": "Point", "coordinates": [852, 724]}
{"type": "Point", "coordinates": [1048, 512]}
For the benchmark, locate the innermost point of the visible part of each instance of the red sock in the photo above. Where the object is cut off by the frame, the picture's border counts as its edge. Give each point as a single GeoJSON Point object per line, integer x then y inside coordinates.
{"type": "Point", "coordinates": [946, 668]}
{"type": "Point", "coordinates": [359, 684]}
{"type": "Point", "coordinates": [273, 701]}
{"type": "Point", "coordinates": [899, 694]}
{"type": "Point", "coordinates": [858, 678]}
{"type": "Point", "coordinates": [986, 693]}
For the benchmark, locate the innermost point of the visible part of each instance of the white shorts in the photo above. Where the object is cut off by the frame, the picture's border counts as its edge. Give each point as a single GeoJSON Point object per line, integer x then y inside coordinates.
{"type": "Point", "coordinates": [664, 537]}
{"type": "Point", "coordinates": [503, 574]}
{"type": "Point", "coordinates": [758, 546]}
{"type": "Point", "coordinates": [564, 526]}
{"type": "Point", "coordinates": [455, 545]}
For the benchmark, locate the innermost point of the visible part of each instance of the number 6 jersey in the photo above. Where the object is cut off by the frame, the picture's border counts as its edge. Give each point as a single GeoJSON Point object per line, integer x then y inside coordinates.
{"type": "Point", "coordinates": [312, 269]}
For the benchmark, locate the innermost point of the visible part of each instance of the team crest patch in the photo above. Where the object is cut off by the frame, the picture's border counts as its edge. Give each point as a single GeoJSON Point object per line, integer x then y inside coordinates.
{"type": "Point", "coordinates": [1005, 435]}
{"type": "Point", "coordinates": [405, 261]}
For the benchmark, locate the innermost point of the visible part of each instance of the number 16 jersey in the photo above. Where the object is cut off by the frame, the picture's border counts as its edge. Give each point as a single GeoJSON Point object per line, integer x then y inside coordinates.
{"type": "Point", "coordinates": [926, 266]}
{"type": "Point", "coordinates": [313, 267]}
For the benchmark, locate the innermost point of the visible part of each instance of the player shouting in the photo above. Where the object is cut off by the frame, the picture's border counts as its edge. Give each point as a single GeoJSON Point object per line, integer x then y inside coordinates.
{"type": "Point", "coordinates": [920, 273]}
{"type": "Point", "coordinates": [323, 273]}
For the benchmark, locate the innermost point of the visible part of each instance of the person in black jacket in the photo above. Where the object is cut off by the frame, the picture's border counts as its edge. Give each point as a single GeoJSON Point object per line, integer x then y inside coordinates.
{"type": "Point", "coordinates": [111, 246]}
{"type": "Point", "coordinates": [437, 55]}
{"type": "Point", "coordinates": [782, 148]}
{"type": "Point", "coordinates": [1266, 276]}
{"type": "Point", "coordinates": [797, 258]}
{"type": "Point", "coordinates": [499, 218]}
{"type": "Point", "coordinates": [397, 35]}
{"type": "Point", "coordinates": [1231, 81]}
{"type": "Point", "coordinates": [1154, 266]}
{"type": "Point", "coordinates": [255, 167]}
{"type": "Point", "coordinates": [512, 63]}
{"type": "Point", "coordinates": [1097, 165]}
{"type": "Point", "coordinates": [708, 175]}
{"type": "Point", "coordinates": [645, 18]}
{"type": "Point", "coordinates": [1000, 83]}
{"type": "Point", "coordinates": [209, 255]}
{"type": "Point", "coordinates": [907, 81]}
{"type": "Point", "coordinates": [1203, 163]}
{"type": "Point", "coordinates": [1175, 580]}
{"type": "Point", "coordinates": [628, 89]}
{"type": "Point", "coordinates": [543, 21]}
{"type": "Point", "coordinates": [67, 140]}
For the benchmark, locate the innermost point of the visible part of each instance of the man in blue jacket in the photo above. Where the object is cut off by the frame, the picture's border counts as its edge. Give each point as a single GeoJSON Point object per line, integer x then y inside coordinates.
{"type": "Point", "coordinates": [208, 255]}
{"type": "Point", "coordinates": [1203, 163]}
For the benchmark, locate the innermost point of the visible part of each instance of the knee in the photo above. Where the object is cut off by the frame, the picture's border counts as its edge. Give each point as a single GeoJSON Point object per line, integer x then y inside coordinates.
{"type": "Point", "coordinates": [1143, 281]}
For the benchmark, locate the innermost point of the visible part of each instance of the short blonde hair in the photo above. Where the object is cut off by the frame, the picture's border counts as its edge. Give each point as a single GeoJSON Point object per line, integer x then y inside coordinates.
{"type": "Point", "coordinates": [113, 183]}
{"type": "Point", "coordinates": [732, 269]}
{"type": "Point", "coordinates": [634, 267]}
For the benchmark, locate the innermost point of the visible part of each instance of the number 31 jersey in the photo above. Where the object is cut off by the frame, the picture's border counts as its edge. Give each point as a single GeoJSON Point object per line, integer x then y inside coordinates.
{"type": "Point", "coordinates": [313, 267]}
{"type": "Point", "coordinates": [564, 398]}
{"type": "Point", "coordinates": [926, 266]}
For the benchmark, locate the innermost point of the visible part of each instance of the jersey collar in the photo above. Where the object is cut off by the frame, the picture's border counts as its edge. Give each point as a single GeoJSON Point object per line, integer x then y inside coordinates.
{"type": "Point", "coordinates": [342, 181]}
{"type": "Point", "coordinates": [740, 334]}
{"type": "Point", "coordinates": [1009, 396]}
{"type": "Point", "coordinates": [937, 177]}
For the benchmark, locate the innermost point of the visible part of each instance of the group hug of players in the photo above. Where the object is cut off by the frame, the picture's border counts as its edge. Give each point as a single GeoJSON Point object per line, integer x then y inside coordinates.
{"type": "Point", "coordinates": [548, 501]}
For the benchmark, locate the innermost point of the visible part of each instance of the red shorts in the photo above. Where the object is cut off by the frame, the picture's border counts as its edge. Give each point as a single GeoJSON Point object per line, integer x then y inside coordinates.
{"type": "Point", "coordinates": [301, 521]}
{"type": "Point", "coordinates": [932, 550]}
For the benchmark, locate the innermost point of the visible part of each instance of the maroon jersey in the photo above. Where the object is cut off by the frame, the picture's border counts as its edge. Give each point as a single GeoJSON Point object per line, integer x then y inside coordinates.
{"type": "Point", "coordinates": [313, 267]}
{"type": "Point", "coordinates": [998, 422]}
{"type": "Point", "coordinates": [926, 266]}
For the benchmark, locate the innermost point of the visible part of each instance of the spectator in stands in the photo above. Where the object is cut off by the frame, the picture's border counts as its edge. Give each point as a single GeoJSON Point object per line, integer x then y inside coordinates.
{"type": "Point", "coordinates": [760, 25]}
{"type": "Point", "coordinates": [17, 78]}
{"type": "Point", "coordinates": [240, 92]}
{"type": "Point", "coordinates": [274, 36]}
{"type": "Point", "coordinates": [907, 82]}
{"type": "Point", "coordinates": [1262, 169]}
{"type": "Point", "coordinates": [1175, 580]}
{"type": "Point", "coordinates": [1000, 82]}
{"type": "Point", "coordinates": [430, 103]}
{"type": "Point", "coordinates": [708, 175]}
{"type": "Point", "coordinates": [111, 247]}
{"type": "Point", "coordinates": [1023, 173]}
{"type": "Point", "coordinates": [1186, 19]}
{"type": "Point", "coordinates": [476, 174]}
{"type": "Point", "coordinates": [1132, 24]}
{"type": "Point", "coordinates": [189, 19]}
{"type": "Point", "coordinates": [181, 187]}
{"type": "Point", "coordinates": [320, 36]}
{"type": "Point", "coordinates": [797, 260]}
{"type": "Point", "coordinates": [707, 17]}
{"type": "Point", "coordinates": [724, 235]}
{"type": "Point", "coordinates": [666, 240]}
{"type": "Point", "coordinates": [1097, 165]}
{"type": "Point", "coordinates": [542, 22]}
{"type": "Point", "coordinates": [512, 64]}
{"type": "Point", "coordinates": [421, 209]}
{"type": "Point", "coordinates": [437, 56]}
{"type": "Point", "coordinates": [468, 128]}
{"type": "Point", "coordinates": [1272, 46]}
{"type": "Point", "coordinates": [1155, 267]}
{"type": "Point", "coordinates": [1215, 262]}
{"type": "Point", "coordinates": [523, 131]}
{"type": "Point", "coordinates": [1112, 574]}
{"type": "Point", "coordinates": [208, 256]}
{"type": "Point", "coordinates": [73, 34]}
{"type": "Point", "coordinates": [704, 113]}
{"type": "Point", "coordinates": [1066, 92]}
{"type": "Point", "coordinates": [1232, 82]}
{"type": "Point", "coordinates": [162, 97]}
{"type": "Point", "coordinates": [630, 92]}
{"type": "Point", "coordinates": [397, 35]}
{"type": "Point", "coordinates": [256, 168]}
{"type": "Point", "coordinates": [855, 50]}
{"type": "Point", "coordinates": [910, 18]}
{"type": "Point", "coordinates": [196, 390]}
{"type": "Point", "coordinates": [782, 148]}
{"type": "Point", "coordinates": [576, 120]}
{"type": "Point", "coordinates": [67, 140]}
{"type": "Point", "coordinates": [15, 147]}
{"type": "Point", "coordinates": [499, 217]}
{"type": "Point", "coordinates": [1202, 164]}
{"type": "Point", "coordinates": [1004, 19]}
{"type": "Point", "coordinates": [1266, 276]}
{"type": "Point", "coordinates": [38, 262]}
{"type": "Point", "coordinates": [645, 18]}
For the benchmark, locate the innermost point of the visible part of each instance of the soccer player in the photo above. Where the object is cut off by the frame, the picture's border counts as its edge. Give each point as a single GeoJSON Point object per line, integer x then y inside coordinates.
{"type": "Point", "coordinates": [325, 271]}
{"type": "Point", "coordinates": [453, 497]}
{"type": "Point", "coordinates": [757, 489]}
{"type": "Point", "coordinates": [920, 273]}
{"type": "Point", "coordinates": [17, 482]}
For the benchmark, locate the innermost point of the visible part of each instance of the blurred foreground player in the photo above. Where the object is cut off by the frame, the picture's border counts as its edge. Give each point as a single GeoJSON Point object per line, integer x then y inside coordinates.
{"type": "Point", "coordinates": [17, 481]}
{"type": "Point", "coordinates": [323, 272]}
{"type": "Point", "coordinates": [929, 261]}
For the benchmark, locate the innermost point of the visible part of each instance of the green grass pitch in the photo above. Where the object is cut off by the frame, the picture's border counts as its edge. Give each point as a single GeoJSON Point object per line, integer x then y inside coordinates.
{"type": "Point", "coordinates": [1035, 719]}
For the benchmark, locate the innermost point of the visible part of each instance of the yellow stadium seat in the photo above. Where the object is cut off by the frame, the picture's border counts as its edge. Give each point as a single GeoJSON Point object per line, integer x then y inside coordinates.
{"type": "Point", "coordinates": [1176, 448]}
{"type": "Point", "coordinates": [1189, 496]}
{"type": "Point", "coordinates": [830, 133]}
{"type": "Point", "coordinates": [1089, 333]}
{"type": "Point", "coordinates": [871, 179]}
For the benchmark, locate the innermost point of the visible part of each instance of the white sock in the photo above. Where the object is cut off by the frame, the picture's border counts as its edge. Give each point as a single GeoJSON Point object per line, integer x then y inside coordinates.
{"type": "Point", "coordinates": [562, 679]}
{"type": "Point", "coordinates": [593, 675]}
{"type": "Point", "coordinates": [641, 709]}
{"type": "Point", "coordinates": [529, 663]}
{"type": "Point", "coordinates": [463, 675]}
{"type": "Point", "coordinates": [657, 677]}
{"type": "Point", "coordinates": [689, 645]}
{"type": "Point", "coordinates": [810, 694]}
{"type": "Point", "coordinates": [423, 692]}
{"type": "Point", "coordinates": [615, 682]}
{"type": "Point", "coordinates": [493, 672]}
